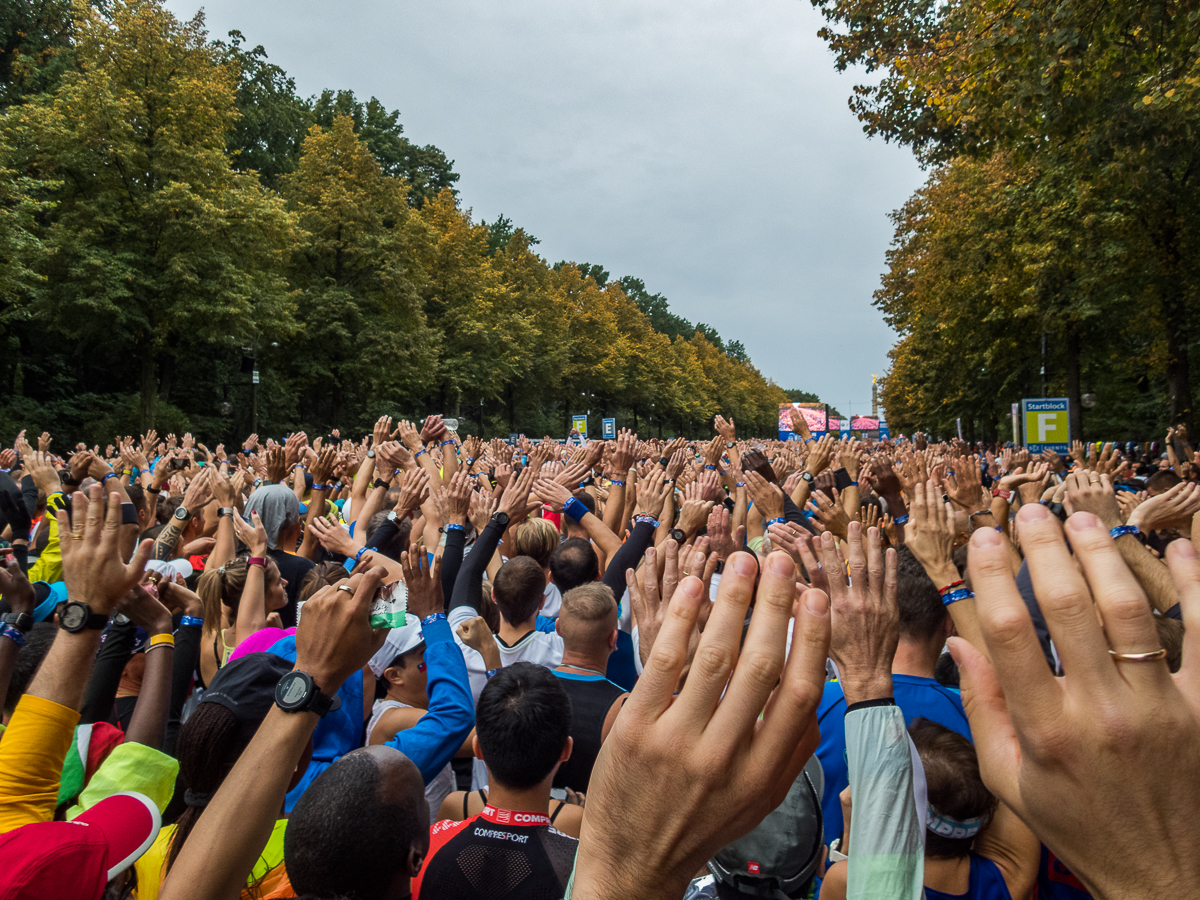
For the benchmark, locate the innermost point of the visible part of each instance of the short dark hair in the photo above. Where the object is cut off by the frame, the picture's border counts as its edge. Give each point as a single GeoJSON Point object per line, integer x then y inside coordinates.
{"type": "Point", "coordinates": [1162, 480]}
{"type": "Point", "coordinates": [955, 787]}
{"type": "Point", "coordinates": [37, 644]}
{"type": "Point", "coordinates": [588, 501]}
{"type": "Point", "coordinates": [343, 838]}
{"type": "Point", "coordinates": [922, 613]}
{"type": "Point", "coordinates": [398, 543]}
{"type": "Point", "coordinates": [574, 563]}
{"type": "Point", "coordinates": [522, 720]}
{"type": "Point", "coordinates": [520, 589]}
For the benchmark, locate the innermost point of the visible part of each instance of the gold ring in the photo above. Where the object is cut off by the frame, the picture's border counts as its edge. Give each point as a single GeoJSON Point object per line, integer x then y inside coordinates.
{"type": "Point", "coordinates": [1149, 656]}
{"type": "Point", "coordinates": [76, 537]}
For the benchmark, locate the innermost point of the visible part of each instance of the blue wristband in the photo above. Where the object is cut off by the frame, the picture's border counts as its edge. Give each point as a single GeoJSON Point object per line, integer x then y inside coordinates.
{"type": "Point", "coordinates": [809, 440]}
{"type": "Point", "coordinates": [1122, 530]}
{"type": "Point", "coordinates": [900, 520]}
{"type": "Point", "coordinates": [445, 442]}
{"type": "Point", "coordinates": [778, 521]}
{"type": "Point", "coordinates": [647, 518]}
{"type": "Point", "coordinates": [955, 595]}
{"type": "Point", "coordinates": [712, 468]}
{"type": "Point", "coordinates": [615, 482]}
{"type": "Point", "coordinates": [491, 672]}
{"type": "Point", "coordinates": [191, 620]}
{"type": "Point", "coordinates": [454, 526]}
{"type": "Point", "coordinates": [13, 635]}
{"type": "Point", "coordinates": [418, 453]}
{"type": "Point", "coordinates": [575, 509]}
{"type": "Point", "coordinates": [430, 619]}
{"type": "Point", "coordinates": [104, 480]}
{"type": "Point", "coordinates": [348, 564]}
{"type": "Point", "coordinates": [320, 487]}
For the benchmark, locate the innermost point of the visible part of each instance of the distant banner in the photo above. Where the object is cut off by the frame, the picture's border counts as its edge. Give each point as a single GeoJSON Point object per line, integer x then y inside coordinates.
{"type": "Point", "coordinates": [864, 423]}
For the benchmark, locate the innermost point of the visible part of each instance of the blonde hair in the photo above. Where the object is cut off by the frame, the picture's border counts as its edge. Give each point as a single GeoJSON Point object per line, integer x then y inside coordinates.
{"type": "Point", "coordinates": [538, 539]}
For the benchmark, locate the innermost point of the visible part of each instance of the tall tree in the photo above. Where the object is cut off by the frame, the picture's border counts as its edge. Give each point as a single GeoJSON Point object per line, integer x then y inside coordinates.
{"type": "Point", "coordinates": [155, 241]}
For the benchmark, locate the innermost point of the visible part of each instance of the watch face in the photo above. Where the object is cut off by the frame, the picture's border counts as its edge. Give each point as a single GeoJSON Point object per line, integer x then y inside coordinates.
{"type": "Point", "coordinates": [292, 690]}
{"type": "Point", "coordinates": [371, 454]}
{"type": "Point", "coordinates": [73, 616]}
{"type": "Point", "coordinates": [181, 513]}
{"type": "Point", "coordinates": [502, 518]}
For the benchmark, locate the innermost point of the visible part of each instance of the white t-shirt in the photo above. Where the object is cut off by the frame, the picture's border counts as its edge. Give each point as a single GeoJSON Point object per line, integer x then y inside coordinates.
{"type": "Point", "coordinates": [553, 602]}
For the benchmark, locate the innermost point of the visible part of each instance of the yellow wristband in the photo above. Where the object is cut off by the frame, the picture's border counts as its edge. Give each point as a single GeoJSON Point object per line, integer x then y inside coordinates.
{"type": "Point", "coordinates": [156, 639]}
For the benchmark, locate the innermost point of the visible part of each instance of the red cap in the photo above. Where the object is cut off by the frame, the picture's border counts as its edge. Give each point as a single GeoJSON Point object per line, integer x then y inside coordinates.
{"type": "Point", "coordinates": [51, 860]}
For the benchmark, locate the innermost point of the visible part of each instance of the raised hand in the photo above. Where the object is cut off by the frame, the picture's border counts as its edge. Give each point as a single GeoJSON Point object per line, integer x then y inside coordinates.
{"type": "Point", "coordinates": [334, 537]}
{"type": "Point", "coordinates": [334, 638]}
{"type": "Point", "coordinates": [652, 492]}
{"type": "Point", "coordinates": [829, 513]}
{"type": "Point", "coordinates": [252, 534]}
{"type": "Point", "coordinates": [424, 583]}
{"type": "Point", "coordinates": [90, 540]}
{"type": "Point", "coordinates": [413, 492]}
{"type": "Point", "coordinates": [1172, 509]}
{"type": "Point", "coordinates": [515, 499]}
{"type": "Point", "coordinates": [767, 497]}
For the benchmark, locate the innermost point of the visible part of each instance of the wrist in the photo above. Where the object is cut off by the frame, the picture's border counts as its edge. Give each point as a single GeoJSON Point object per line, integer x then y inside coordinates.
{"type": "Point", "coordinates": [867, 686]}
{"type": "Point", "coordinates": [161, 625]}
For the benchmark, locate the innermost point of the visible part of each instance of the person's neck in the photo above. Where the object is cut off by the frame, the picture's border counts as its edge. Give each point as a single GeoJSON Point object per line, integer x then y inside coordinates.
{"type": "Point", "coordinates": [510, 634]}
{"type": "Point", "coordinates": [408, 696]}
{"type": "Point", "coordinates": [535, 799]}
{"type": "Point", "coordinates": [916, 659]}
{"type": "Point", "coordinates": [585, 659]}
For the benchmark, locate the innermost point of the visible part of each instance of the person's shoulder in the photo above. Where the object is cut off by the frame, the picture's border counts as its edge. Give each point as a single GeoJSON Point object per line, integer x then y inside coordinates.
{"type": "Point", "coordinates": [447, 829]}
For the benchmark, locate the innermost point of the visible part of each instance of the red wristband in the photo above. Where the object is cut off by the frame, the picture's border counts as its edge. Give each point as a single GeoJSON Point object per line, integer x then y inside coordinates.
{"type": "Point", "coordinates": [951, 586]}
{"type": "Point", "coordinates": [256, 561]}
{"type": "Point", "coordinates": [1001, 492]}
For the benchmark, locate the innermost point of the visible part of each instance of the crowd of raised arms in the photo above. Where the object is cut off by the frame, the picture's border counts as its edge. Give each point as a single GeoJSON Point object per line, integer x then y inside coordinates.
{"type": "Point", "coordinates": [419, 664]}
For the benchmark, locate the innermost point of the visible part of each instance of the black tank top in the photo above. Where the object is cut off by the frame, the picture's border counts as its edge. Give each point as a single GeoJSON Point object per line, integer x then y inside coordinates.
{"type": "Point", "coordinates": [592, 696]}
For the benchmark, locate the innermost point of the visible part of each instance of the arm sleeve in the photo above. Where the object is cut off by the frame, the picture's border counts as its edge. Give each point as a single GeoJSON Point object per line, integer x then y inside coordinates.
{"type": "Point", "coordinates": [115, 652]}
{"type": "Point", "coordinates": [187, 659]}
{"type": "Point", "coordinates": [627, 557]}
{"type": "Point", "coordinates": [795, 515]}
{"type": "Point", "coordinates": [468, 586]}
{"type": "Point", "coordinates": [32, 753]}
{"type": "Point", "coordinates": [436, 737]}
{"type": "Point", "coordinates": [887, 846]}
{"type": "Point", "coordinates": [29, 493]}
{"type": "Point", "coordinates": [382, 534]}
{"type": "Point", "coordinates": [452, 557]}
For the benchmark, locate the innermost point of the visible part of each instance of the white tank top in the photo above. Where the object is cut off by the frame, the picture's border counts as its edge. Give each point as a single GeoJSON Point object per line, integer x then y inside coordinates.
{"type": "Point", "coordinates": [442, 785]}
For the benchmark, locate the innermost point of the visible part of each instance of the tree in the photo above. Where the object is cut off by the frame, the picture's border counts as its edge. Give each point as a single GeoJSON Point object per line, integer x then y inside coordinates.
{"type": "Point", "coordinates": [359, 278]}
{"type": "Point", "coordinates": [155, 242]}
{"type": "Point", "coordinates": [426, 168]}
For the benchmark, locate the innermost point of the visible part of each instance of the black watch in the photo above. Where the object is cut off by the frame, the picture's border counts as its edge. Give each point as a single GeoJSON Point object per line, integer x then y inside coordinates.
{"type": "Point", "coordinates": [181, 513]}
{"type": "Point", "coordinates": [807, 477]}
{"type": "Point", "coordinates": [297, 692]}
{"type": "Point", "coordinates": [20, 621]}
{"type": "Point", "coordinates": [371, 453]}
{"type": "Point", "coordinates": [75, 617]}
{"type": "Point", "coordinates": [501, 519]}
{"type": "Point", "coordinates": [677, 535]}
{"type": "Point", "coordinates": [729, 445]}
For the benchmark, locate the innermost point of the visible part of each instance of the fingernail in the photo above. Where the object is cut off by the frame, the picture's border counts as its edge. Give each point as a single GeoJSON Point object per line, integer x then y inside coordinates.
{"type": "Point", "coordinates": [955, 652]}
{"type": "Point", "coordinates": [691, 586]}
{"type": "Point", "coordinates": [744, 564]}
{"type": "Point", "coordinates": [986, 537]}
{"type": "Point", "coordinates": [816, 602]}
{"type": "Point", "coordinates": [1031, 511]}
{"type": "Point", "coordinates": [1082, 521]}
{"type": "Point", "coordinates": [781, 564]}
{"type": "Point", "coordinates": [1184, 548]}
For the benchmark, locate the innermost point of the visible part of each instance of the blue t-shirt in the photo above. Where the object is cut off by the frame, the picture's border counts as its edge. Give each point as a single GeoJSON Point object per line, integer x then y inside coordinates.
{"type": "Point", "coordinates": [987, 883]}
{"type": "Point", "coordinates": [914, 695]}
{"type": "Point", "coordinates": [1055, 881]}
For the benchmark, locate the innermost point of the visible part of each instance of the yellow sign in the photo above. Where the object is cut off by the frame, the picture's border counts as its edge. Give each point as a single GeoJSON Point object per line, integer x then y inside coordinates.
{"type": "Point", "coordinates": [1047, 424]}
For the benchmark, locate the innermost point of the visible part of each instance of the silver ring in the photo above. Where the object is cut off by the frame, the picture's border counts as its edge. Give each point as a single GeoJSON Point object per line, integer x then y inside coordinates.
{"type": "Point", "coordinates": [346, 588]}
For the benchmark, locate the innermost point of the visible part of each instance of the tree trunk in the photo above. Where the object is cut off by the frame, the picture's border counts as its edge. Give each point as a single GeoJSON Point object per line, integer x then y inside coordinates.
{"type": "Point", "coordinates": [1178, 370]}
{"type": "Point", "coordinates": [149, 392]}
{"type": "Point", "coordinates": [1074, 390]}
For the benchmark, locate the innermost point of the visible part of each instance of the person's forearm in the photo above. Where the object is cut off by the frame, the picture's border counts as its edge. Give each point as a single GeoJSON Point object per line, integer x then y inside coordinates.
{"type": "Point", "coordinates": [452, 557]}
{"type": "Point", "coordinates": [887, 859]}
{"type": "Point", "coordinates": [252, 609]}
{"type": "Point", "coordinates": [148, 725]}
{"type": "Point", "coordinates": [63, 675]}
{"type": "Point", "coordinates": [362, 484]}
{"type": "Point", "coordinates": [167, 541]}
{"type": "Point", "coordinates": [225, 545]}
{"type": "Point", "coordinates": [449, 461]}
{"type": "Point", "coordinates": [8, 661]}
{"type": "Point", "coordinates": [851, 503]}
{"type": "Point", "coordinates": [1152, 573]}
{"type": "Point", "coordinates": [468, 587]}
{"type": "Point", "coordinates": [962, 612]}
{"type": "Point", "coordinates": [370, 506]}
{"type": "Point", "coordinates": [666, 520]}
{"type": "Point", "coordinates": [185, 660]}
{"type": "Point", "coordinates": [627, 557]}
{"type": "Point", "coordinates": [316, 508]}
{"type": "Point", "coordinates": [614, 506]}
{"type": "Point", "coordinates": [115, 653]}
{"type": "Point", "coordinates": [601, 535]}
{"type": "Point", "coordinates": [227, 840]}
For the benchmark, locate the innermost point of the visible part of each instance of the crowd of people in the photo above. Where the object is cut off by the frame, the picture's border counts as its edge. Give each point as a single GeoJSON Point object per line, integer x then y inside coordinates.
{"type": "Point", "coordinates": [420, 664]}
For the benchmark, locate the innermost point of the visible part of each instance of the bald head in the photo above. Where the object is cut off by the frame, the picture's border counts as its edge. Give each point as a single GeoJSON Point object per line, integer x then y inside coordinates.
{"type": "Point", "coordinates": [587, 621]}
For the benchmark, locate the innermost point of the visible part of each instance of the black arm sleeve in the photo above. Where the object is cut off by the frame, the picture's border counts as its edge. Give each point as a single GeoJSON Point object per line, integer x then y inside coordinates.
{"type": "Point", "coordinates": [115, 652]}
{"type": "Point", "coordinates": [468, 586]}
{"type": "Point", "coordinates": [452, 558]}
{"type": "Point", "coordinates": [792, 513]}
{"type": "Point", "coordinates": [627, 557]}
{"type": "Point", "coordinates": [382, 535]}
{"type": "Point", "coordinates": [187, 659]}
{"type": "Point", "coordinates": [29, 492]}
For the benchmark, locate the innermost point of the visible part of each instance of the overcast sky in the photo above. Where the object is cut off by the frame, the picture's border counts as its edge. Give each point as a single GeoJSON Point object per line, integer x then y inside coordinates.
{"type": "Point", "coordinates": [704, 146]}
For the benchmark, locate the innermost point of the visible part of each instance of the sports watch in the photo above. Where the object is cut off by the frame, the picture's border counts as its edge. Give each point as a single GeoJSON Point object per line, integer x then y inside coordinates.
{"type": "Point", "coordinates": [74, 617]}
{"type": "Point", "coordinates": [181, 513]}
{"type": "Point", "coordinates": [501, 519]}
{"type": "Point", "coordinates": [297, 692]}
{"type": "Point", "coordinates": [18, 620]}
{"type": "Point", "coordinates": [807, 477]}
{"type": "Point", "coordinates": [371, 453]}
{"type": "Point", "coordinates": [224, 511]}
{"type": "Point", "coordinates": [677, 535]}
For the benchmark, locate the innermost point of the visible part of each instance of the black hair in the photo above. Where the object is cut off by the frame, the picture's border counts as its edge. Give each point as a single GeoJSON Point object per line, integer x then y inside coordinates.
{"type": "Point", "coordinates": [574, 563]}
{"type": "Point", "coordinates": [520, 589]}
{"type": "Point", "coordinates": [207, 749]}
{"type": "Point", "coordinates": [587, 500]}
{"type": "Point", "coordinates": [922, 613]}
{"type": "Point", "coordinates": [400, 659]}
{"type": "Point", "coordinates": [344, 839]}
{"type": "Point", "coordinates": [522, 720]}
{"type": "Point", "coordinates": [37, 644]}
